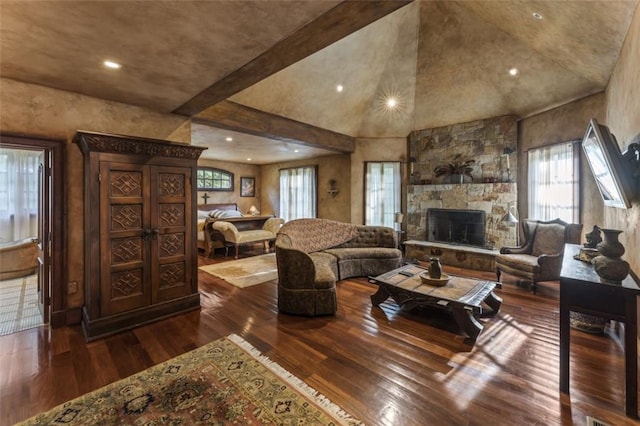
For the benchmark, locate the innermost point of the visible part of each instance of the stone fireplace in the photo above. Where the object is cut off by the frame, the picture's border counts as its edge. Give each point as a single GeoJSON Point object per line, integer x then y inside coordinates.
{"type": "Point", "coordinates": [454, 226]}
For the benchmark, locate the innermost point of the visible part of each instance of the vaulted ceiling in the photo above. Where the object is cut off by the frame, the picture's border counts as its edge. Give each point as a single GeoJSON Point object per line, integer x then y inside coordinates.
{"type": "Point", "coordinates": [445, 62]}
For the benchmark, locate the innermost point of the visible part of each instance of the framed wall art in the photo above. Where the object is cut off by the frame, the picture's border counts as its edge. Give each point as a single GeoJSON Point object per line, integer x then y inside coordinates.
{"type": "Point", "coordinates": [247, 186]}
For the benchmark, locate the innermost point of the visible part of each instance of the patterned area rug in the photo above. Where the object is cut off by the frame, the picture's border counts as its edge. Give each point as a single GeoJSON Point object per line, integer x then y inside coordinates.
{"type": "Point", "coordinates": [19, 305]}
{"type": "Point", "coordinates": [227, 381]}
{"type": "Point", "coordinates": [245, 272]}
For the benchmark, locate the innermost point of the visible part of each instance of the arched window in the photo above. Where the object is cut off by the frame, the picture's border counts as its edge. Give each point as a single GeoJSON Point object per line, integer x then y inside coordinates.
{"type": "Point", "coordinates": [210, 179]}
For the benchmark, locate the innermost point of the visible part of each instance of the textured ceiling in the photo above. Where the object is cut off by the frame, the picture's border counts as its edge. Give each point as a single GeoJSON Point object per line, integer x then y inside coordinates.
{"type": "Point", "coordinates": [446, 62]}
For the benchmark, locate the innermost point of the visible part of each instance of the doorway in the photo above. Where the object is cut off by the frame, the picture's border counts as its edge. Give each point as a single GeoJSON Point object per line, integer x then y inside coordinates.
{"type": "Point", "coordinates": [50, 230]}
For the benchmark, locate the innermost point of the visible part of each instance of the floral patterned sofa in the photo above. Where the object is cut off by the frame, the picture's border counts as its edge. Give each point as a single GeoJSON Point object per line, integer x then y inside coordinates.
{"type": "Point", "coordinates": [312, 254]}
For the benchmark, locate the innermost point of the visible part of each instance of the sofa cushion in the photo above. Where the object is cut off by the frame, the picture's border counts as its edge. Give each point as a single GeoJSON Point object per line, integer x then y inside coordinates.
{"type": "Point", "coordinates": [364, 253]}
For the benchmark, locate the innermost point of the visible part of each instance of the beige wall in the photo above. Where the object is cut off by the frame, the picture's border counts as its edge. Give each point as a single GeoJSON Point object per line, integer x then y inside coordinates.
{"type": "Point", "coordinates": [239, 170]}
{"type": "Point", "coordinates": [40, 111]}
{"type": "Point", "coordinates": [564, 123]}
{"type": "Point", "coordinates": [623, 119]}
{"type": "Point", "coordinates": [370, 149]}
{"type": "Point", "coordinates": [329, 167]}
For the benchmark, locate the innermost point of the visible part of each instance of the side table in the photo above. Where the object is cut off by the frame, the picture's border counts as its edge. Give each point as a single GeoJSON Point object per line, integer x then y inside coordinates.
{"type": "Point", "coordinates": [581, 290]}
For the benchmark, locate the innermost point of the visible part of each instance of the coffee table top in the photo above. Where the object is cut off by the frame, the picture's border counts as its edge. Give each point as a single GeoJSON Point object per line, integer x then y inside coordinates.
{"type": "Point", "coordinates": [466, 291]}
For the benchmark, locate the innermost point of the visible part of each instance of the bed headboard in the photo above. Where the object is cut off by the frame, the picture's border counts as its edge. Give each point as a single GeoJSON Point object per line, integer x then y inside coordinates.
{"type": "Point", "coordinates": [221, 206]}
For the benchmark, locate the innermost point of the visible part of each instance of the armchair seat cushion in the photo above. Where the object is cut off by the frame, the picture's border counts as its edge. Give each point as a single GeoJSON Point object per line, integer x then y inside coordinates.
{"type": "Point", "coordinates": [521, 262]}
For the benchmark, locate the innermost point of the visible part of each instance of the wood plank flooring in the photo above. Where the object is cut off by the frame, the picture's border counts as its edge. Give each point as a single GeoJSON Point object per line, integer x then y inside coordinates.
{"type": "Point", "coordinates": [386, 366]}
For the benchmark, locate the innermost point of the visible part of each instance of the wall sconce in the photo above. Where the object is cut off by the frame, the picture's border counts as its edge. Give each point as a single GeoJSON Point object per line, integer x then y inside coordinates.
{"type": "Point", "coordinates": [506, 152]}
{"type": "Point", "coordinates": [333, 191]}
{"type": "Point", "coordinates": [253, 211]}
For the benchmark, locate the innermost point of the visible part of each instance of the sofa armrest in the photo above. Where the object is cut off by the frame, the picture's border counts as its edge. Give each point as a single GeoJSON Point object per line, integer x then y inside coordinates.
{"type": "Point", "coordinates": [228, 230]}
{"type": "Point", "coordinates": [295, 268]}
{"type": "Point", "coordinates": [273, 224]}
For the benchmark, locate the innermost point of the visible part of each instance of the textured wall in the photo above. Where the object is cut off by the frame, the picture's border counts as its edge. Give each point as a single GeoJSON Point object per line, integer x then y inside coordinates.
{"type": "Point", "coordinates": [330, 167]}
{"type": "Point", "coordinates": [239, 170]}
{"type": "Point", "coordinates": [41, 111]}
{"type": "Point", "coordinates": [561, 124]}
{"type": "Point", "coordinates": [372, 149]}
{"type": "Point", "coordinates": [623, 118]}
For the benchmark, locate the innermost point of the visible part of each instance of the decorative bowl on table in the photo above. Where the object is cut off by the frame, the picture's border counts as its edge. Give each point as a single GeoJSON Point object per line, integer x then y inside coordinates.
{"type": "Point", "coordinates": [439, 282]}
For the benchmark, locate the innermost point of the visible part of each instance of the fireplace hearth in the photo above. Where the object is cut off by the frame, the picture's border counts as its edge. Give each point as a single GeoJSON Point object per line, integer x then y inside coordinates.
{"type": "Point", "coordinates": [466, 227]}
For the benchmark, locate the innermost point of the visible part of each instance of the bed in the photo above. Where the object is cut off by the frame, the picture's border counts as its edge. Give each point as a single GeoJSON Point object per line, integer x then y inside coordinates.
{"type": "Point", "coordinates": [210, 239]}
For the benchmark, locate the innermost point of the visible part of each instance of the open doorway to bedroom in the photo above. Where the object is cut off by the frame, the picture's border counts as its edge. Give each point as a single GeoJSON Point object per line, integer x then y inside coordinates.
{"type": "Point", "coordinates": [31, 233]}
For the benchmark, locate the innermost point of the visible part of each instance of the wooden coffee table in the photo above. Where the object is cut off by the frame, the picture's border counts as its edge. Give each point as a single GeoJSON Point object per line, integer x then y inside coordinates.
{"type": "Point", "coordinates": [463, 297]}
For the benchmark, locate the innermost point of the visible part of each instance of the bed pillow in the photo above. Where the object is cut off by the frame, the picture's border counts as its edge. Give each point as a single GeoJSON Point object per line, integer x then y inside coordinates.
{"type": "Point", "coordinates": [203, 214]}
{"type": "Point", "coordinates": [231, 213]}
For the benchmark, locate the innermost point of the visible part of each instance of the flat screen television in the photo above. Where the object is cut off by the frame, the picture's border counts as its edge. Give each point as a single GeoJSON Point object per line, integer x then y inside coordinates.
{"type": "Point", "coordinates": [606, 162]}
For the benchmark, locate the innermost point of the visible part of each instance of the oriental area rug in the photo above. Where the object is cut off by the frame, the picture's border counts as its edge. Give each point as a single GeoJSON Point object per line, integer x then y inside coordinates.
{"type": "Point", "coordinates": [227, 381]}
{"type": "Point", "coordinates": [245, 272]}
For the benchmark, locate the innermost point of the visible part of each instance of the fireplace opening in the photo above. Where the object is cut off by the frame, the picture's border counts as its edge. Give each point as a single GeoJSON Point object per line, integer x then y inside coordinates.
{"type": "Point", "coordinates": [456, 226]}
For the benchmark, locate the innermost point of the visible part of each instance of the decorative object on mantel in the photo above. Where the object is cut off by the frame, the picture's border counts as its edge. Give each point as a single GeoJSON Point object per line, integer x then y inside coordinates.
{"type": "Point", "coordinates": [506, 152]}
{"type": "Point", "coordinates": [609, 265]}
{"type": "Point", "coordinates": [456, 170]}
{"type": "Point", "coordinates": [333, 191]}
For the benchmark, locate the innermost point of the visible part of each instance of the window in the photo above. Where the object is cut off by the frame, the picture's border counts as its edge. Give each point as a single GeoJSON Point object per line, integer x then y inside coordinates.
{"type": "Point", "coordinates": [382, 193]}
{"type": "Point", "coordinates": [18, 194]}
{"type": "Point", "coordinates": [298, 193]}
{"type": "Point", "coordinates": [553, 182]}
{"type": "Point", "coordinates": [210, 179]}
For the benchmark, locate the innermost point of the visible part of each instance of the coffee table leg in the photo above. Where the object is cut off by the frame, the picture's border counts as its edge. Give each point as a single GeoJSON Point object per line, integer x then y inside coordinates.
{"type": "Point", "coordinates": [379, 296]}
{"type": "Point", "coordinates": [467, 323]}
{"type": "Point", "coordinates": [494, 301]}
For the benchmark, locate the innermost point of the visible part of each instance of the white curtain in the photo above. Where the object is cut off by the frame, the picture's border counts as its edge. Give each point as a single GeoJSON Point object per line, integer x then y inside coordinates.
{"type": "Point", "coordinates": [553, 183]}
{"type": "Point", "coordinates": [18, 194]}
{"type": "Point", "coordinates": [382, 193]}
{"type": "Point", "coordinates": [298, 193]}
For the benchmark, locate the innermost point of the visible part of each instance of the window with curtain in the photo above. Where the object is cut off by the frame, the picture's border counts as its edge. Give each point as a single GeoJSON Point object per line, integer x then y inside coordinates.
{"type": "Point", "coordinates": [553, 182]}
{"type": "Point", "coordinates": [18, 194]}
{"type": "Point", "coordinates": [298, 193]}
{"type": "Point", "coordinates": [382, 193]}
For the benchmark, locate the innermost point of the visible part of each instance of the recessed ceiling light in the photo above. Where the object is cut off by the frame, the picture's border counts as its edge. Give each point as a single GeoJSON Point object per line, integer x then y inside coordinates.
{"type": "Point", "coordinates": [392, 102]}
{"type": "Point", "coordinates": [248, 159]}
{"type": "Point", "coordinates": [296, 150]}
{"type": "Point", "coordinates": [111, 64]}
{"type": "Point", "coordinates": [339, 88]}
{"type": "Point", "coordinates": [228, 139]}
{"type": "Point", "coordinates": [514, 71]}
{"type": "Point", "coordinates": [537, 15]}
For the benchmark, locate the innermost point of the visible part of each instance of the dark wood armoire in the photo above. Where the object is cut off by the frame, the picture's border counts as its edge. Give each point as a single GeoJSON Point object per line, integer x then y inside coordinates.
{"type": "Point", "coordinates": [140, 231]}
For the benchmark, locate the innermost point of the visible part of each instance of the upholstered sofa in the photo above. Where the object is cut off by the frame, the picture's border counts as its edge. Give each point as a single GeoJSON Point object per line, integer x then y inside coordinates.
{"type": "Point", "coordinates": [312, 254]}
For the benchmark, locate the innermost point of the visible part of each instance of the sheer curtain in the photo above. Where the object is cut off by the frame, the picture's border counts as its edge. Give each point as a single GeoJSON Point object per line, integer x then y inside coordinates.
{"type": "Point", "coordinates": [553, 182]}
{"type": "Point", "coordinates": [18, 194]}
{"type": "Point", "coordinates": [382, 193]}
{"type": "Point", "coordinates": [298, 193]}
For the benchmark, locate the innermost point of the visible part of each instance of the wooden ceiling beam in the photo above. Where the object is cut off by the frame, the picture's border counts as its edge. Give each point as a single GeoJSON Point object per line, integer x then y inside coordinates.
{"type": "Point", "coordinates": [342, 20]}
{"type": "Point", "coordinates": [232, 116]}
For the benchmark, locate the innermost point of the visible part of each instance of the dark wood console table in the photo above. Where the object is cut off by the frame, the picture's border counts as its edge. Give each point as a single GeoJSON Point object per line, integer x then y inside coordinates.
{"type": "Point", "coordinates": [581, 290]}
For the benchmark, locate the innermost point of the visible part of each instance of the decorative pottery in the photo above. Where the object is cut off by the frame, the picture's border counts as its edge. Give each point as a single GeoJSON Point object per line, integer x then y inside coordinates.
{"type": "Point", "coordinates": [593, 238]}
{"type": "Point", "coordinates": [609, 266]}
{"type": "Point", "coordinates": [435, 269]}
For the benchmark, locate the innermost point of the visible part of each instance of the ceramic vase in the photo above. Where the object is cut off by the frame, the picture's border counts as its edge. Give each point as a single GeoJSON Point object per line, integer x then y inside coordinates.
{"type": "Point", "coordinates": [609, 266]}
{"type": "Point", "coordinates": [435, 269]}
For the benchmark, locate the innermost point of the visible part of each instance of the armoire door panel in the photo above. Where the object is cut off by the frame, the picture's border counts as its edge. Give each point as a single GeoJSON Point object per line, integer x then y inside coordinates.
{"type": "Point", "coordinates": [124, 267]}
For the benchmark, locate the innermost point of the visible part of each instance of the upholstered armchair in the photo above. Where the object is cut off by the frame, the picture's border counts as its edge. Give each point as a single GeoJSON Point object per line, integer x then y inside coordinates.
{"type": "Point", "coordinates": [539, 258]}
{"type": "Point", "coordinates": [235, 238]}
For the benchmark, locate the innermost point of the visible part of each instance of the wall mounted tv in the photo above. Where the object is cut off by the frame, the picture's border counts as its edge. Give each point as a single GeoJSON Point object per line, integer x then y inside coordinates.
{"type": "Point", "coordinates": [606, 162]}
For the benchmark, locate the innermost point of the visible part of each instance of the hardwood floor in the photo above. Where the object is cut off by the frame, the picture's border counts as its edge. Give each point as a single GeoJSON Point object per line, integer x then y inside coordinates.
{"type": "Point", "coordinates": [384, 366]}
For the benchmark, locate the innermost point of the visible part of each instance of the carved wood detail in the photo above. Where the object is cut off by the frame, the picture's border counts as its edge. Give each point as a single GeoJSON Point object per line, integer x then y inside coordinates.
{"type": "Point", "coordinates": [172, 274]}
{"type": "Point", "coordinates": [171, 244]}
{"type": "Point", "coordinates": [125, 283]}
{"type": "Point", "coordinates": [126, 184]}
{"type": "Point", "coordinates": [131, 145]}
{"type": "Point", "coordinates": [172, 214]}
{"type": "Point", "coordinates": [126, 216]}
{"type": "Point", "coordinates": [170, 185]}
{"type": "Point", "coordinates": [126, 250]}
